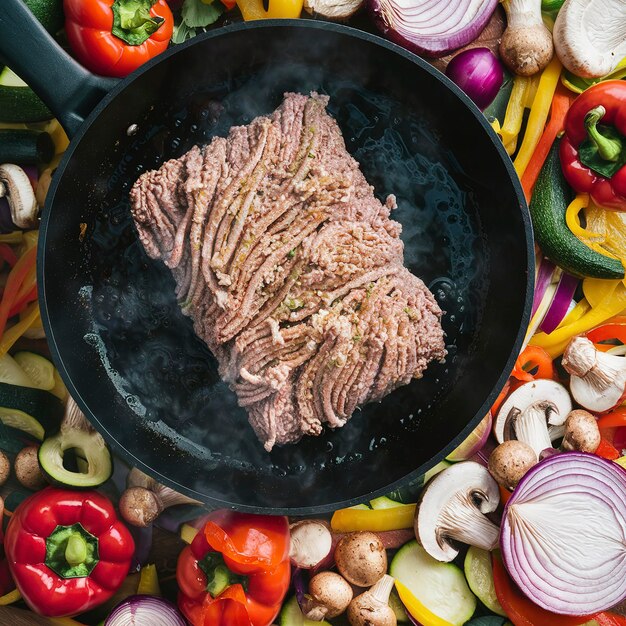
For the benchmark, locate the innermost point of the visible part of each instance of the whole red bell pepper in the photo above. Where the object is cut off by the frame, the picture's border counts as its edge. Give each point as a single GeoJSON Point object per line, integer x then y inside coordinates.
{"type": "Point", "coordinates": [115, 37]}
{"type": "Point", "coordinates": [236, 572]}
{"type": "Point", "coordinates": [67, 551]}
{"type": "Point", "coordinates": [594, 159]}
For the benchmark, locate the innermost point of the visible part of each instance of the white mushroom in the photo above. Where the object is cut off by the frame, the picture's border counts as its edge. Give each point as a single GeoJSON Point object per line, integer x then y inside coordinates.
{"type": "Point", "coordinates": [15, 186]}
{"type": "Point", "coordinates": [452, 510]}
{"type": "Point", "coordinates": [526, 46]}
{"type": "Point", "coordinates": [598, 379]}
{"type": "Point", "coordinates": [329, 596]}
{"type": "Point", "coordinates": [590, 36]}
{"type": "Point", "coordinates": [534, 413]}
{"type": "Point", "coordinates": [372, 608]}
{"type": "Point", "coordinates": [310, 543]}
{"type": "Point", "coordinates": [509, 462]}
{"type": "Point", "coordinates": [145, 499]}
{"type": "Point", "coordinates": [336, 10]}
{"type": "Point", "coordinates": [581, 432]}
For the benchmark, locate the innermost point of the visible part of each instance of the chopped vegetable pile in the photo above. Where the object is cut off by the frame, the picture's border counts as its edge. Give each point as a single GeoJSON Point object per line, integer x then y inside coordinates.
{"type": "Point", "coordinates": [524, 523]}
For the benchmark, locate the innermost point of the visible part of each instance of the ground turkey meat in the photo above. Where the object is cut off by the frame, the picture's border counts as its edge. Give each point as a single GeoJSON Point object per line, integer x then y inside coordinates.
{"type": "Point", "coordinates": [291, 270]}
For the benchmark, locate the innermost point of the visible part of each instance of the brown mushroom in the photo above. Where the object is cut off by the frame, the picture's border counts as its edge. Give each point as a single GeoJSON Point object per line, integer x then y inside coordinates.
{"type": "Point", "coordinates": [509, 462]}
{"type": "Point", "coordinates": [5, 468]}
{"type": "Point", "coordinates": [581, 432]}
{"type": "Point", "coordinates": [329, 596]}
{"type": "Point", "coordinates": [27, 469]}
{"type": "Point", "coordinates": [372, 608]}
{"type": "Point", "coordinates": [361, 558]}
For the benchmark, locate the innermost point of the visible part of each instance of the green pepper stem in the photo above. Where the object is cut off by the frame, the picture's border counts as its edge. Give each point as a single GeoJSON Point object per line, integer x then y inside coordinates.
{"type": "Point", "coordinates": [608, 149]}
{"type": "Point", "coordinates": [76, 549]}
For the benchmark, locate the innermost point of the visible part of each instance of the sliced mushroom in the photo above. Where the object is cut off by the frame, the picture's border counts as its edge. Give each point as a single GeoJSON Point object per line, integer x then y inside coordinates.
{"type": "Point", "coordinates": [534, 413]}
{"type": "Point", "coordinates": [15, 186]}
{"type": "Point", "coordinates": [598, 379]}
{"type": "Point", "coordinates": [336, 10]}
{"type": "Point", "coordinates": [452, 509]}
{"type": "Point", "coordinates": [145, 499]}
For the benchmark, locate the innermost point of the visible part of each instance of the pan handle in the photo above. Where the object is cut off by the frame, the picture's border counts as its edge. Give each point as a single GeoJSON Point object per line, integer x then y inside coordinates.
{"type": "Point", "coordinates": [64, 85]}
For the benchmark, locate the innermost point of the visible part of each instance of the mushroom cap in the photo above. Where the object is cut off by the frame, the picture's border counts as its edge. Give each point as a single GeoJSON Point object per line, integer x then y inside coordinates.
{"type": "Point", "coordinates": [339, 10]}
{"type": "Point", "coordinates": [5, 468]}
{"type": "Point", "coordinates": [470, 480]}
{"type": "Point", "coordinates": [581, 432]}
{"type": "Point", "coordinates": [332, 591]}
{"type": "Point", "coordinates": [27, 469]}
{"type": "Point", "coordinates": [509, 462]}
{"type": "Point", "coordinates": [531, 393]}
{"type": "Point", "coordinates": [139, 506]}
{"type": "Point", "coordinates": [361, 558]}
{"type": "Point", "coordinates": [310, 543]}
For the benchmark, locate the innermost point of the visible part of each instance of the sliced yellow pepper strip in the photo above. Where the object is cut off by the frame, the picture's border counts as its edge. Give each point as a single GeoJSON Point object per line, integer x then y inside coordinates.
{"type": "Point", "coordinates": [512, 123]}
{"type": "Point", "coordinates": [188, 533]}
{"type": "Point", "coordinates": [64, 621]}
{"type": "Point", "coordinates": [31, 316]}
{"type": "Point", "coordinates": [10, 598]}
{"type": "Point", "coordinates": [376, 520]}
{"type": "Point", "coordinates": [538, 114]}
{"type": "Point", "coordinates": [423, 615]}
{"type": "Point", "coordinates": [13, 238]}
{"type": "Point", "coordinates": [610, 304]}
{"type": "Point", "coordinates": [149, 581]}
{"type": "Point", "coordinates": [282, 9]}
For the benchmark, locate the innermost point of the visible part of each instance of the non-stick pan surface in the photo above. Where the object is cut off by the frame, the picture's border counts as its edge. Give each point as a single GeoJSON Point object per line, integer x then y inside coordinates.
{"type": "Point", "coordinates": [131, 359]}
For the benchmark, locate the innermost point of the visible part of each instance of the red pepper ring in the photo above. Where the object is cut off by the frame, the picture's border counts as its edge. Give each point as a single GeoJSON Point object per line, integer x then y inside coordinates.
{"type": "Point", "coordinates": [609, 193]}
{"type": "Point", "coordinates": [67, 551]}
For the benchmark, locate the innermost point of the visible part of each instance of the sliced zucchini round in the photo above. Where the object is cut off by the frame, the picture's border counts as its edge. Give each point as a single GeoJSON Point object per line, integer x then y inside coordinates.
{"type": "Point", "coordinates": [89, 446]}
{"type": "Point", "coordinates": [33, 411]}
{"type": "Point", "coordinates": [38, 369]}
{"type": "Point", "coordinates": [291, 615]}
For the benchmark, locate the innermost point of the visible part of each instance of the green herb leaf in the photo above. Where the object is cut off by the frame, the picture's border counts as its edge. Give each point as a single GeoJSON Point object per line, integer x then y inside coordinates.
{"type": "Point", "coordinates": [588, 154]}
{"type": "Point", "coordinates": [132, 22]}
{"type": "Point", "coordinates": [182, 33]}
{"type": "Point", "coordinates": [197, 14]}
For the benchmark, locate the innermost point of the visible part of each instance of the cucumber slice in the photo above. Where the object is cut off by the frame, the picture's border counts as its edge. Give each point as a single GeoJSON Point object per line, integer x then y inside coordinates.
{"type": "Point", "coordinates": [440, 587]}
{"type": "Point", "coordinates": [397, 607]}
{"type": "Point", "coordinates": [479, 576]}
{"type": "Point", "coordinates": [33, 411]}
{"type": "Point", "coordinates": [384, 503]}
{"type": "Point", "coordinates": [291, 615]}
{"type": "Point", "coordinates": [12, 374]}
{"type": "Point", "coordinates": [87, 445]}
{"type": "Point", "coordinates": [433, 471]}
{"type": "Point", "coordinates": [39, 370]}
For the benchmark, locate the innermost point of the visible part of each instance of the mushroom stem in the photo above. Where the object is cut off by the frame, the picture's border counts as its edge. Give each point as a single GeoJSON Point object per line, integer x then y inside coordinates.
{"type": "Point", "coordinates": [531, 426]}
{"type": "Point", "coordinates": [15, 186]}
{"type": "Point", "coordinates": [463, 521]}
{"type": "Point", "coordinates": [382, 589]}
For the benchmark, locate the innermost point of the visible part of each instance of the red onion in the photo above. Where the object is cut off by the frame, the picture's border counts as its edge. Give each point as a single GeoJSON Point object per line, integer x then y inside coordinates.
{"type": "Point", "coordinates": [474, 442]}
{"type": "Point", "coordinates": [543, 280]}
{"type": "Point", "coordinates": [142, 610]}
{"type": "Point", "coordinates": [563, 535]}
{"type": "Point", "coordinates": [560, 303]}
{"type": "Point", "coordinates": [478, 73]}
{"type": "Point", "coordinates": [432, 27]}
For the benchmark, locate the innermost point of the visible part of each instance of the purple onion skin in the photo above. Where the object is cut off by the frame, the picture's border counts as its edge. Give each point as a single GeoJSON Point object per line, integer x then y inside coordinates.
{"type": "Point", "coordinates": [430, 46]}
{"type": "Point", "coordinates": [547, 453]}
{"type": "Point", "coordinates": [478, 73]}
{"type": "Point", "coordinates": [140, 602]}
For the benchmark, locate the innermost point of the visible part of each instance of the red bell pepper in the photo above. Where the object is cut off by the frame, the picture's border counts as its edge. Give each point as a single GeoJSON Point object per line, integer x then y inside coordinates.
{"type": "Point", "coordinates": [533, 359]}
{"type": "Point", "coordinates": [236, 572]}
{"type": "Point", "coordinates": [115, 37]}
{"type": "Point", "coordinates": [67, 551]}
{"type": "Point", "coordinates": [518, 608]}
{"type": "Point", "coordinates": [607, 451]}
{"type": "Point", "coordinates": [594, 159]}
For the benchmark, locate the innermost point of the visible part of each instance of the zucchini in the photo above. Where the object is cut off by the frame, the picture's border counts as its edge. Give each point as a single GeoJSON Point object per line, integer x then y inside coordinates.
{"type": "Point", "coordinates": [12, 374]}
{"type": "Point", "coordinates": [433, 471]}
{"type": "Point", "coordinates": [291, 615]}
{"type": "Point", "coordinates": [33, 411]}
{"type": "Point", "coordinates": [38, 369]}
{"type": "Point", "coordinates": [26, 147]}
{"type": "Point", "coordinates": [440, 587]}
{"type": "Point", "coordinates": [384, 503]}
{"type": "Point", "coordinates": [547, 209]}
{"type": "Point", "coordinates": [76, 437]}
{"type": "Point", "coordinates": [48, 12]}
{"type": "Point", "coordinates": [18, 102]}
{"type": "Point", "coordinates": [479, 574]}
{"type": "Point", "coordinates": [397, 607]}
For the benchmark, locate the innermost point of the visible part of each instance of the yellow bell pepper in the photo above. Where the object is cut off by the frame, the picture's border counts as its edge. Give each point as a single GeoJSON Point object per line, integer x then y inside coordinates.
{"type": "Point", "coordinates": [282, 9]}
{"type": "Point", "coordinates": [149, 581]}
{"type": "Point", "coordinates": [621, 461]}
{"type": "Point", "coordinates": [606, 298]}
{"type": "Point", "coordinates": [417, 609]}
{"type": "Point", "coordinates": [10, 598]}
{"type": "Point", "coordinates": [514, 115]}
{"type": "Point", "coordinates": [188, 533]}
{"type": "Point", "coordinates": [376, 520]}
{"type": "Point", "coordinates": [31, 316]}
{"type": "Point", "coordinates": [538, 114]}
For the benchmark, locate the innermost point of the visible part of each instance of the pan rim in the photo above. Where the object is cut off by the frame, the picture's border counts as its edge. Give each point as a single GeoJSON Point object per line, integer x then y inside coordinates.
{"type": "Point", "coordinates": [122, 450]}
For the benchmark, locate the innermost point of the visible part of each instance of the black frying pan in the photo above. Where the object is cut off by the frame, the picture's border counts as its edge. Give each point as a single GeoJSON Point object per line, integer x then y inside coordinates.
{"type": "Point", "coordinates": [131, 359]}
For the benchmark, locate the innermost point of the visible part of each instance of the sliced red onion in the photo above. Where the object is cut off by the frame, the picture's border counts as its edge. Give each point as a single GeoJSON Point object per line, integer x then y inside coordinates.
{"type": "Point", "coordinates": [143, 545]}
{"type": "Point", "coordinates": [300, 583]}
{"type": "Point", "coordinates": [547, 453]}
{"type": "Point", "coordinates": [474, 443]}
{"type": "Point", "coordinates": [563, 535]}
{"type": "Point", "coordinates": [560, 303]}
{"type": "Point", "coordinates": [544, 278]}
{"type": "Point", "coordinates": [142, 610]}
{"type": "Point", "coordinates": [478, 73]}
{"type": "Point", "coordinates": [432, 27]}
